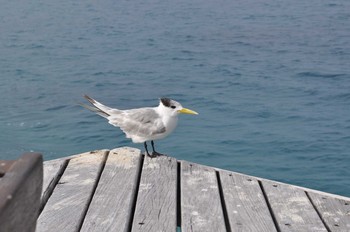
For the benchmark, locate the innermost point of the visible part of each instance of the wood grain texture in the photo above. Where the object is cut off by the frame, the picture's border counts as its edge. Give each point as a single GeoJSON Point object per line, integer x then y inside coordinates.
{"type": "Point", "coordinates": [335, 212]}
{"type": "Point", "coordinates": [67, 204]}
{"type": "Point", "coordinates": [292, 208]}
{"type": "Point", "coordinates": [156, 202]}
{"type": "Point", "coordinates": [53, 169]}
{"type": "Point", "coordinates": [246, 207]}
{"type": "Point", "coordinates": [20, 191]}
{"type": "Point", "coordinates": [201, 208]}
{"type": "Point", "coordinates": [111, 206]}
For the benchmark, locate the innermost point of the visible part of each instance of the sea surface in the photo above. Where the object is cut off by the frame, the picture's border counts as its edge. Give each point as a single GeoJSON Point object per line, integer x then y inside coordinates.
{"type": "Point", "coordinates": [270, 80]}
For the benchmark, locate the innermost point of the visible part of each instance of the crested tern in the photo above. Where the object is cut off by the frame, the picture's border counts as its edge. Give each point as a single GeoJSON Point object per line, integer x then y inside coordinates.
{"type": "Point", "coordinates": [142, 124]}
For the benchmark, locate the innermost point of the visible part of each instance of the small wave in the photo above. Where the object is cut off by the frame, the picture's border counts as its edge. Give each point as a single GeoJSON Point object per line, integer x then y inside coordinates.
{"type": "Point", "coordinates": [321, 75]}
{"type": "Point", "coordinates": [343, 96]}
{"type": "Point", "coordinates": [35, 46]}
{"type": "Point", "coordinates": [332, 4]}
{"type": "Point", "coordinates": [99, 74]}
{"type": "Point", "coordinates": [81, 81]}
{"type": "Point", "coordinates": [182, 59]}
{"type": "Point", "coordinates": [55, 108]}
{"type": "Point", "coordinates": [187, 52]}
{"type": "Point", "coordinates": [40, 126]}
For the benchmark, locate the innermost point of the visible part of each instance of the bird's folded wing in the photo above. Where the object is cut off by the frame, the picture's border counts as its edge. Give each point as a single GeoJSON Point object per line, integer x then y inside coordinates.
{"type": "Point", "coordinates": [141, 122]}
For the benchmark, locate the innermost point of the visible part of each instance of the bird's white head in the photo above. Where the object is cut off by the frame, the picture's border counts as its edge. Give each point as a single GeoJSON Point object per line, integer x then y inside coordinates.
{"type": "Point", "coordinates": [173, 108]}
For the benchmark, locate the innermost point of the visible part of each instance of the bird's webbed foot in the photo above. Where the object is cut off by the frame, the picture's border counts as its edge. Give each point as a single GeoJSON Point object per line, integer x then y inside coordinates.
{"type": "Point", "coordinates": [156, 154]}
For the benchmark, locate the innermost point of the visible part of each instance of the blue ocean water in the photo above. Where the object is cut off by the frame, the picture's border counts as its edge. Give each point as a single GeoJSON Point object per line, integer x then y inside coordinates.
{"type": "Point", "coordinates": [270, 79]}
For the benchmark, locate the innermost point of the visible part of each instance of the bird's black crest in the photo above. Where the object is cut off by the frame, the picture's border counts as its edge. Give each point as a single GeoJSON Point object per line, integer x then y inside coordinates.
{"type": "Point", "coordinates": [165, 101]}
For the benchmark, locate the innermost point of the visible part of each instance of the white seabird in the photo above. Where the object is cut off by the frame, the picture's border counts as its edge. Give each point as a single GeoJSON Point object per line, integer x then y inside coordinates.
{"type": "Point", "coordinates": [142, 124]}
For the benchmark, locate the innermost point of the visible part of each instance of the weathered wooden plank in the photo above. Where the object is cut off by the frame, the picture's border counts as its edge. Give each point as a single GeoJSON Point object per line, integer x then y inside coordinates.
{"type": "Point", "coordinates": [201, 208]}
{"type": "Point", "coordinates": [53, 169]}
{"type": "Point", "coordinates": [156, 201]}
{"type": "Point", "coordinates": [67, 204]}
{"type": "Point", "coordinates": [20, 191]}
{"type": "Point", "coordinates": [111, 206]}
{"type": "Point", "coordinates": [4, 166]}
{"type": "Point", "coordinates": [335, 212]}
{"type": "Point", "coordinates": [292, 209]}
{"type": "Point", "coordinates": [246, 207]}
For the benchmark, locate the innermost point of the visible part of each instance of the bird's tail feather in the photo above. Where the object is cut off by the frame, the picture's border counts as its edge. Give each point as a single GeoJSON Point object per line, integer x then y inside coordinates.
{"type": "Point", "coordinates": [96, 107]}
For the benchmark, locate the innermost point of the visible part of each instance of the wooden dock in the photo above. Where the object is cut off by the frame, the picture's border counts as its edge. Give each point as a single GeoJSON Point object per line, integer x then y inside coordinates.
{"type": "Point", "coordinates": [122, 190]}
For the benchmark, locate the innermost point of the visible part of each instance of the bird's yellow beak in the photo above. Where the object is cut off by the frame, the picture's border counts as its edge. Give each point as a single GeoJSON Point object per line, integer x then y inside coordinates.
{"type": "Point", "coordinates": [187, 111]}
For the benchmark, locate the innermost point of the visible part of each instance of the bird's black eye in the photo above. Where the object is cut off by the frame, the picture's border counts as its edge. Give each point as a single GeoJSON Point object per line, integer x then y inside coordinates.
{"type": "Point", "coordinates": [173, 107]}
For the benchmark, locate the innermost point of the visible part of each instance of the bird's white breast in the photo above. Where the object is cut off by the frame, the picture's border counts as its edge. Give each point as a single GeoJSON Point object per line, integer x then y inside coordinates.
{"type": "Point", "coordinates": [170, 124]}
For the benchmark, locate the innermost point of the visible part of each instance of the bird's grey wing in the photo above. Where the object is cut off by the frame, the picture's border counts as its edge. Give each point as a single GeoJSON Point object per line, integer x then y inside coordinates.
{"type": "Point", "coordinates": [140, 122]}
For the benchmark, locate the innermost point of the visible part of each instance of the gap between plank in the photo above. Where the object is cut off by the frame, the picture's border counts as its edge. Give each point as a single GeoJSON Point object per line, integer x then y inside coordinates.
{"type": "Point", "coordinates": [133, 207]}
{"type": "Point", "coordinates": [51, 187]}
{"type": "Point", "coordinates": [99, 174]}
{"type": "Point", "coordinates": [223, 204]}
{"type": "Point", "coordinates": [178, 197]}
{"type": "Point", "coordinates": [269, 206]}
{"type": "Point", "coordinates": [318, 213]}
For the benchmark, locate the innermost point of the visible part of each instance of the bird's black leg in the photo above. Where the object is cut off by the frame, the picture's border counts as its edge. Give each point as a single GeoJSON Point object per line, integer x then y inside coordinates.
{"type": "Point", "coordinates": [146, 149]}
{"type": "Point", "coordinates": [154, 153]}
{"type": "Point", "coordinates": [152, 143]}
